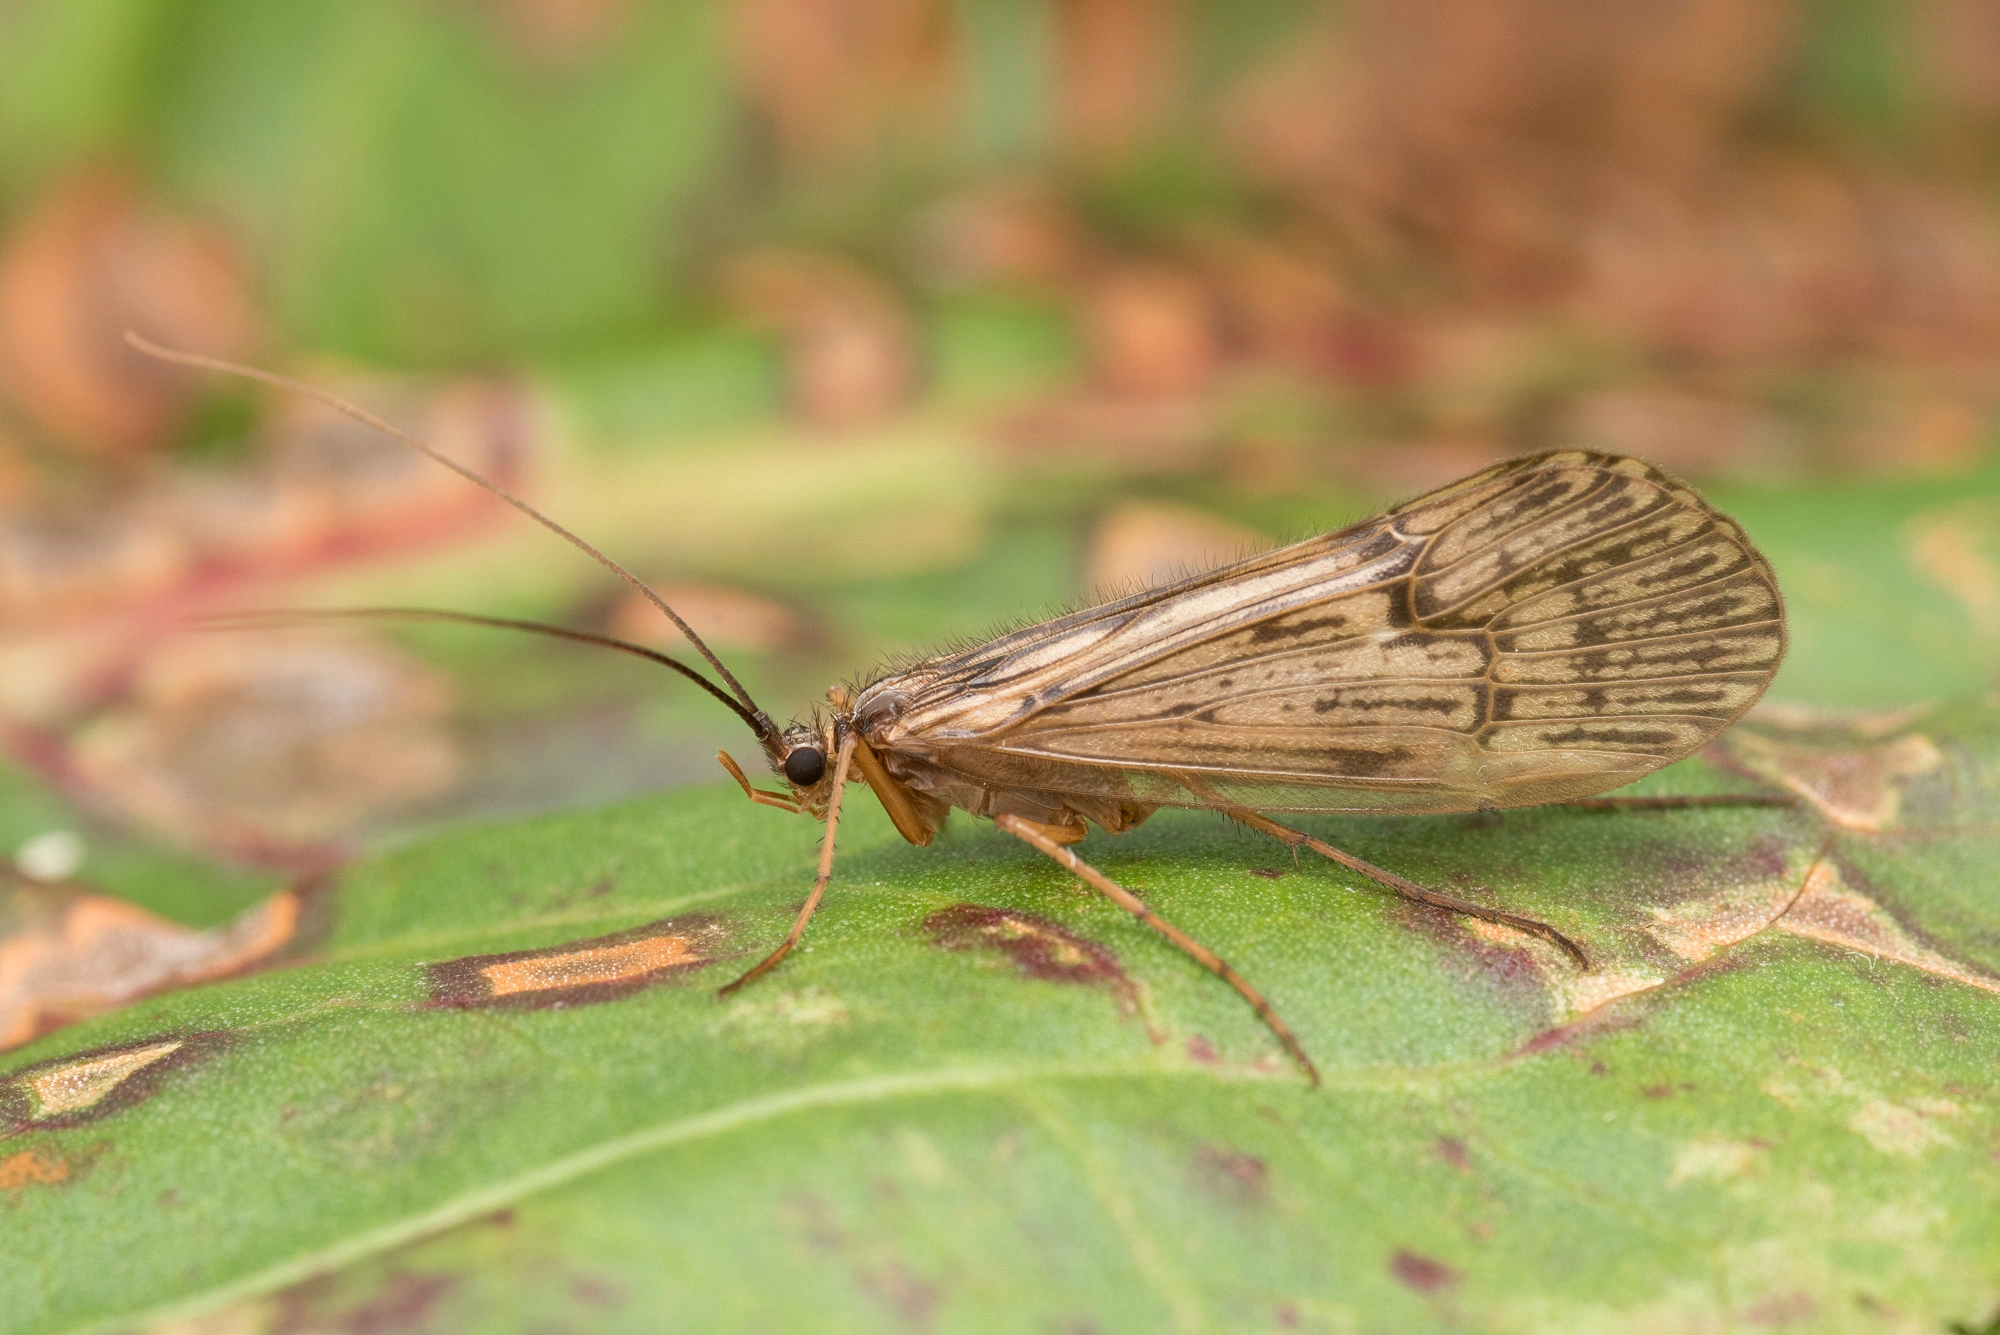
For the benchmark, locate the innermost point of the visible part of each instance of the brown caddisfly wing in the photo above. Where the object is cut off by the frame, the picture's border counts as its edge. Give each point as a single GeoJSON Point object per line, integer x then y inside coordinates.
{"type": "Point", "coordinates": [1550, 628]}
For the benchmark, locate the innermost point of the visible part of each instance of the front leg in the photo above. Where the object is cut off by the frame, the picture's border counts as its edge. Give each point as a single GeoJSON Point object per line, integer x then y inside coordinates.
{"type": "Point", "coordinates": [840, 763]}
{"type": "Point", "coordinates": [757, 795]}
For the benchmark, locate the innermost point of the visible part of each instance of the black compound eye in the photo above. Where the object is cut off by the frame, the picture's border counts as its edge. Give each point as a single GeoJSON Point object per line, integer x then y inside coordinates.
{"type": "Point", "coordinates": [805, 765]}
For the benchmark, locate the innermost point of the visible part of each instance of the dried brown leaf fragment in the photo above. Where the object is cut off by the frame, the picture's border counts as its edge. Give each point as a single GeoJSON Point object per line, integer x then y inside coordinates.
{"type": "Point", "coordinates": [67, 953]}
{"type": "Point", "coordinates": [89, 260]}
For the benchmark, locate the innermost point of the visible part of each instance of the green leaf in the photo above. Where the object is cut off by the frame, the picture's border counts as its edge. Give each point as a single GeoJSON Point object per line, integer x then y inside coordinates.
{"type": "Point", "coordinates": [982, 1098]}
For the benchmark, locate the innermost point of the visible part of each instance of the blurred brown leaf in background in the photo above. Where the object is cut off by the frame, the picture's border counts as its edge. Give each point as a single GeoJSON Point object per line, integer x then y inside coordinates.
{"type": "Point", "coordinates": [836, 79]}
{"type": "Point", "coordinates": [320, 487]}
{"type": "Point", "coordinates": [67, 953]}
{"type": "Point", "coordinates": [850, 346]}
{"type": "Point", "coordinates": [90, 260]}
{"type": "Point", "coordinates": [270, 744]}
{"type": "Point", "coordinates": [729, 619]}
{"type": "Point", "coordinates": [1118, 73]}
{"type": "Point", "coordinates": [1143, 544]}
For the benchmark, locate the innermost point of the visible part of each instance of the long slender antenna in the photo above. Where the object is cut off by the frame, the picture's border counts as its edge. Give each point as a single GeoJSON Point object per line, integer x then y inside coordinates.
{"type": "Point", "coordinates": [287, 616]}
{"type": "Point", "coordinates": [760, 722]}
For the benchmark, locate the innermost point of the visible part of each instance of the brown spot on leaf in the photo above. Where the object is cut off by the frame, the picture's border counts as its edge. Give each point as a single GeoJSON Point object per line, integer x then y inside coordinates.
{"type": "Point", "coordinates": [599, 1291]}
{"type": "Point", "coordinates": [1712, 1160]}
{"type": "Point", "coordinates": [1781, 1309]}
{"type": "Point", "coordinates": [1905, 1130]}
{"type": "Point", "coordinates": [404, 1302]}
{"type": "Point", "coordinates": [911, 1298]}
{"type": "Point", "coordinates": [1231, 1174]}
{"type": "Point", "coordinates": [84, 1086]}
{"type": "Point", "coordinates": [889, 1280]}
{"type": "Point", "coordinates": [598, 969]}
{"type": "Point", "coordinates": [1813, 903]}
{"type": "Point", "coordinates": [1422, 1273]}
{"type": "Point", "coordinates": [1520, 969]}
{"type": "Point", "coordinates": [1452, 1150]}
{"type": "Point", "coordinates": [1590, 1025]}
{"type": "Point", "coordinates": [28, 1168]}
{"type": "Point", "coordinates": [1547, 1039]}
{"type": "Point", "coordinates": [1589, 992]}
{"type": "Point", "coordinates": [1874, 1306]}
{"type": "Point", "coordinates": [1695, 929]}
{"type": "Point", "coordinates": [815, 1222]}
{"type": "Point", "coordinates": [1036, 946]}
{"type": "Point", "coordinates": [1822, 908]}
{"type": "Point", "coordinates": [1268, 873]}
{"type": "Point", "coordinates": [1766, 859]}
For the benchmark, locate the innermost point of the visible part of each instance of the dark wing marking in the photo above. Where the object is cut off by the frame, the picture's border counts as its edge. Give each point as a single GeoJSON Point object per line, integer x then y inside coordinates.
{"type": "Point", "coordinates": [1551, 627]}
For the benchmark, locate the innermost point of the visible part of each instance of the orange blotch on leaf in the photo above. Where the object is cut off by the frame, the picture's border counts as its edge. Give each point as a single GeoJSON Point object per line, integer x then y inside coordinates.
{"type": "Point", "coordinates": [32, 1168]}
{"type": "Point", "coordinates": [585, 968]}
{"type": "Point", "coordinates": [601, 968]}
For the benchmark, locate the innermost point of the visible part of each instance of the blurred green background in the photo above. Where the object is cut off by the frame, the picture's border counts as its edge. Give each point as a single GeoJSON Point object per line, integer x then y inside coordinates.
{"type": "Point", "coordinates": [863, 324]}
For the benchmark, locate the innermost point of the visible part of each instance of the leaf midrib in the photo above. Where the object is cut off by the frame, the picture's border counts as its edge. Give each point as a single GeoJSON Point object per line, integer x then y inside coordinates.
{"type": "Point", "coordinates": [581, 1163]}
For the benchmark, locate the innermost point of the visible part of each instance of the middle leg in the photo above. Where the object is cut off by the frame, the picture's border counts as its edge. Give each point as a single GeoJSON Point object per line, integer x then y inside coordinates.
{"type": "Point", "coordinates": [1032, 834]}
